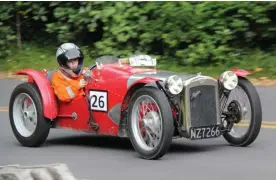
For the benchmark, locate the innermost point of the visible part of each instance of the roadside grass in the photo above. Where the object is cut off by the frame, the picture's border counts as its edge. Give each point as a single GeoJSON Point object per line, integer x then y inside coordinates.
{"type": "Point", "coordinates": [43, 57]}
{"type": "Point", "coordinates": [32, 56]}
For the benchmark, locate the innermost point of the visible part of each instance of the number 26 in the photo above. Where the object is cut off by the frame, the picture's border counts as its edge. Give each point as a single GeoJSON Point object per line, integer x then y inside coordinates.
{"type": "Point", "coordinates": [97, 101]}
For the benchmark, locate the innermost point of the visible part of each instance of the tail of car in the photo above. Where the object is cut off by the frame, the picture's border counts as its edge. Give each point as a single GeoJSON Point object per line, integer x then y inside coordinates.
{"type": "Point", "coordinates": [48, 97]}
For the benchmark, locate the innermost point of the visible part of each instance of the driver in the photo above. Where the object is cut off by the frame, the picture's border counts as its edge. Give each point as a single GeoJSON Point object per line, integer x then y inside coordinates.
{"type": "Point", "coordinates": [68, 82]}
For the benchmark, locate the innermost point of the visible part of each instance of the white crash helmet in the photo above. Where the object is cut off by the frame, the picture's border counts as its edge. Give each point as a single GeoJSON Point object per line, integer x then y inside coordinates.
{"type": "Point", "coordinates": [66, 52]}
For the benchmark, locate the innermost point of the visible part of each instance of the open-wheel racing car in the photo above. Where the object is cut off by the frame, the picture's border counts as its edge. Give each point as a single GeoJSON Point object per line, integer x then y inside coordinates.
{"type": "Point", "coordinates": [135, 100]}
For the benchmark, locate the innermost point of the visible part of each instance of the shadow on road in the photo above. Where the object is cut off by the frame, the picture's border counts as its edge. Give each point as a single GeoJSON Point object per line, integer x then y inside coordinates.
{"type": "Point", "coordinates": [91, 141]}
{"type": "Point", "coordinates": [194, 147]}
{"type": "Point", "coordinates": [117, 143]}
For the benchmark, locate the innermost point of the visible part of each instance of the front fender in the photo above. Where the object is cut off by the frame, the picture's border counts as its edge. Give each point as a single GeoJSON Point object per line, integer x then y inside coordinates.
{"type": "Point", "coordinates": [241, 72]}
{"type": "Point", "coordinates": [145, 80]}
{"type": "Point", "coordinates": [130, 91]}
{"type": "Point", "coordinates": [134, 87]}
{"type": "Point", "coordinates": [48, 97]}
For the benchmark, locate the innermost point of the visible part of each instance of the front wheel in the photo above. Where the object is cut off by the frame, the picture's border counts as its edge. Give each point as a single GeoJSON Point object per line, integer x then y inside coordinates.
{"type": "Point", "coordinates": [26, 115]}
{"type": "Point", "coordinates": [245, 103]}
{"type": "Point", "coordinates": [150, 123]}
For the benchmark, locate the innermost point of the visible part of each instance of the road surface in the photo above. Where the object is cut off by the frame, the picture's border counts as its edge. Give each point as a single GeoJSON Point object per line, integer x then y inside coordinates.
{"type": "Point", "coordinates": [90, 157]}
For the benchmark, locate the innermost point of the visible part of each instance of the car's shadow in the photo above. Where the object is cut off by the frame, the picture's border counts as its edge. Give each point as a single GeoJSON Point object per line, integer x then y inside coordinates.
{"type": "Point", "coordinates": [110, 142]}
{"type": "Point", "coordinates": [91, 141]}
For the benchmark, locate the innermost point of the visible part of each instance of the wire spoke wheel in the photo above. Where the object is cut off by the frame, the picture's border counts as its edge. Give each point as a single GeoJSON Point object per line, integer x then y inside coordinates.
{"type": "Point", "coordinates": [150, 123]}
{"type": "Point", "coordinates": [146, 123]}
{"type": "Point", "coordinates": [241, 127]}
{"type": "Point", "coordinates": [245, 103]}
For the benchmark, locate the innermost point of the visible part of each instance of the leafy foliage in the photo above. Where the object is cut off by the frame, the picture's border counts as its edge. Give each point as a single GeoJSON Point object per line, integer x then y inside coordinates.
{"type": "Point", "coordinates": [185, 33]}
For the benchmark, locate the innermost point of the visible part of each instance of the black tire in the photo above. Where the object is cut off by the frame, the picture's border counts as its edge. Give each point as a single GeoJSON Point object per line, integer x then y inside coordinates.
{"type": "Point", "coordinates": [256, 116]}
{"type": "Point", "coordinates": [43, 125]}
{"type": "Point", "coordinates": [167, 124]}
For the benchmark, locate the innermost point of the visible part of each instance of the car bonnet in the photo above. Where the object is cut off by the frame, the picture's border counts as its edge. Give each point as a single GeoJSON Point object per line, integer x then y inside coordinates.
{"type": "Point", "coordinates": [162, 75]}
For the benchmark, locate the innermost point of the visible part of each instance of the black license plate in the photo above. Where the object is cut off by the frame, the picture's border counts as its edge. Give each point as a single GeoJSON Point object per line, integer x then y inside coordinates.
{"type": "Point", "coordinates": [205, 132]}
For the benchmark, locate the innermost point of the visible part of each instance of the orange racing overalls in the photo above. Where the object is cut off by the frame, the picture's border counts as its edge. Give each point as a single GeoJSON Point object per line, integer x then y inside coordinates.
{"type": "Point", "coordinates": [66, 88]}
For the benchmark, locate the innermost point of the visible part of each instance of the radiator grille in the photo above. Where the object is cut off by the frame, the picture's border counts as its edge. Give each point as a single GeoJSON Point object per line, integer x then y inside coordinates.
{"type": "Point", "coordinates": [203, 105]}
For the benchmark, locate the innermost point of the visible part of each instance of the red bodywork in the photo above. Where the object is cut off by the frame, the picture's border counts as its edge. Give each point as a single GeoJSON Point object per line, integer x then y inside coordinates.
{"type": "Point", "coordinates": [241, 72]}
{"type": "Point", "coordinates": [112, 79]}
{"type": "Point", "coordinates": [47, 94]}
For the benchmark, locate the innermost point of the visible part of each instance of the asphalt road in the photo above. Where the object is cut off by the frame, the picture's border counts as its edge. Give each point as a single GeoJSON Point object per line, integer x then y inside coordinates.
{"type": "Point", "coordinates": [90, 157]}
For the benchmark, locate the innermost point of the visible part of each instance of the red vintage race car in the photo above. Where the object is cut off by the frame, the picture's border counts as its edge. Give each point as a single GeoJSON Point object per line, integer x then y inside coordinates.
{"type": "Point", "coordinates": [133, 99]}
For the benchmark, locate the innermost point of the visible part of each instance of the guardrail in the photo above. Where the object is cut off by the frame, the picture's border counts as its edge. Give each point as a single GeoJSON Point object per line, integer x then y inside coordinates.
{"type": "Point", "coordinates": [38, 172]}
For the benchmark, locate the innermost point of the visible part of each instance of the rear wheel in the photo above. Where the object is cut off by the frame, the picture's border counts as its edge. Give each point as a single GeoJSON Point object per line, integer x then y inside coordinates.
{"type": "Point", "coordinates": [245, 104]}
{"type": "Point", "coordinates": [150, 123]}
{"type": "Point", "coordinates": [26, 115]}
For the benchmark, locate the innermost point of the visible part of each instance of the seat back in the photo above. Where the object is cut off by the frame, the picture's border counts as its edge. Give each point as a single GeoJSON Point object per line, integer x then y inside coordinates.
{"type": "Point", "coordinates": [49, 77]}
{"type": "Point", "coordinates": [50, 74]}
